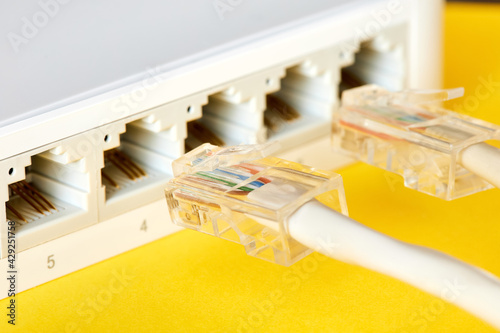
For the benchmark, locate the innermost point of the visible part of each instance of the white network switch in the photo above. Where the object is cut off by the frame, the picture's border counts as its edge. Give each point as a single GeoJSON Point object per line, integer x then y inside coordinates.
{"type": "Point", "coordinates": [81, 78]}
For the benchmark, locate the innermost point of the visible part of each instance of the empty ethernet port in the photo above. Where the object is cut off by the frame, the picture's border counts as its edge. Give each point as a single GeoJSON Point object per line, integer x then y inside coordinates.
{"type": "Point", "coordinates": [137, 166]}
{"type": "Point", "coordinates": [199, 133]}
{"type": "Point", "coordinates": [301, 109]}
{"type": "Point", "coordinates": [51, 200]}
{"type": "Point", "coordinates": [377, 62]}
{"type": "Point", "coordinates": [278, 115]}
{"type": "Point", "coordinates": [227, 121]}
{"type": "Point", "coordinates": [298, 106]}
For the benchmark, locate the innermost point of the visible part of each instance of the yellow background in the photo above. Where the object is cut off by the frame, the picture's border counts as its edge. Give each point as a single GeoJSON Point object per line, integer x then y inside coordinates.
{"type": "Point", "coordinates": [194, 282]}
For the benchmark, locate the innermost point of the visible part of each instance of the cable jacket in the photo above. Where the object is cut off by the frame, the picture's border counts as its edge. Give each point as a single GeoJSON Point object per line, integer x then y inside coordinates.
{"type": "Point", "coordinates": [483, 160]}
{"type": "Point", "coordinates": [339, 237]}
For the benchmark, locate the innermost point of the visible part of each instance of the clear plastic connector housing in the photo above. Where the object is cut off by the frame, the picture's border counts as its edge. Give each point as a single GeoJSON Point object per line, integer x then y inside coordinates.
{"type": "Point", "coordinates": [408, 133]}
{"type": "Point", "coordinates": [239, 194]}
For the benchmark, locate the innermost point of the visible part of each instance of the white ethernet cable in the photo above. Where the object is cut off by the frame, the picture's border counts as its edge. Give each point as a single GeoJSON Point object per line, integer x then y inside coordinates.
{"type": "Point", "coordinates": [269, 206]}
{"type": "Point", "coordinates": [437, 151]}
{"type": "Point", "coordinates": [421, 267]}
{"type": "Point", "coordinates": [483, 160]}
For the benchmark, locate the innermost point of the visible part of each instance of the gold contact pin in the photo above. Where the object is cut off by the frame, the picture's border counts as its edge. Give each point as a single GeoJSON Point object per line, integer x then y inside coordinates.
{"type": "Point", "coordinates": [109, 179]}
{"type": "Point", "coordinates": [31, 196]}
{"type": "Point", "coordinates": [124, 164]}
{"type": "Point", "coordinates": [198, 134]}
{"type": "Point", "coordinates": [278, 112]}
{"type": "Point", "coordinates": [15, 212]}
{"type": "Point", "coordinates": [111, 158]}
{"type": "Point", "coordinates": [132, 166]}
{"type": "Point", "coordinates": [27, 198]}
{"type": "Point", "coordinates": [35, 192]}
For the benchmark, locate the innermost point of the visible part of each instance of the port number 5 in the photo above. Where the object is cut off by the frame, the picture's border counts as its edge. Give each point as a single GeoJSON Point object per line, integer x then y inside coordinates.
{"type": "Point", "coordinates": [50, 261]}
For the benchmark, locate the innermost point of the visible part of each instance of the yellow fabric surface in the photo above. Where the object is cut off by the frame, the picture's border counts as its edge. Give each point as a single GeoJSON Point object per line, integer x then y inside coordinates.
{"type": "Point", "coordinates": [190, 282]}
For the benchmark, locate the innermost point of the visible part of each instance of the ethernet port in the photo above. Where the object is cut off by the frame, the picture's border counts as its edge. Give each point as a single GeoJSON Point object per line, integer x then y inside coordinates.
{"type": "Point", "coordinates": [235, 114]}
{"type": "Point", "coordinates": [136, 166]}
{"type": "Point", "coordinates": [283, 105]}
{"type": "Point", "coordinates": [378, 61]}
{"type": "Point", "coordinates": [199, 133]}
{"type": "Point", "coordinates": [301, 110]}
{"type": "Point", "coordinates": [227, 122]}
{"type": "Point", "coordinates": [49, 198]}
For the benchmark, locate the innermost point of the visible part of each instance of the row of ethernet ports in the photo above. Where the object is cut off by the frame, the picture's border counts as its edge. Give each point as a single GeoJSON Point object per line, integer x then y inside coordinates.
{"type": "Point", "coordinates": [92, 177]}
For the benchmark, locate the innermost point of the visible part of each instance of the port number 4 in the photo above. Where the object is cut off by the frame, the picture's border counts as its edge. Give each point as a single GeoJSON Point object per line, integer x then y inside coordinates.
{"type": "Point", "coordinates": [50, 261]}
{"type": "Point", "coordinates": [144, 226]}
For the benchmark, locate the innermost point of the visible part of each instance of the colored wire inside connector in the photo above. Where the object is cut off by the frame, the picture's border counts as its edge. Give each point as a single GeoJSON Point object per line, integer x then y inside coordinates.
{"type": "Point", "coordinates": [439, 152]}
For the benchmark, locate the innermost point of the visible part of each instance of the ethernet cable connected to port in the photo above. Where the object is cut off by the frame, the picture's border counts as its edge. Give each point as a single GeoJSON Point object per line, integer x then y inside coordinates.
{"type": "Point", "coordinates": [99, 147]}
{"type": "Point", "coordinates": [437, 151]}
